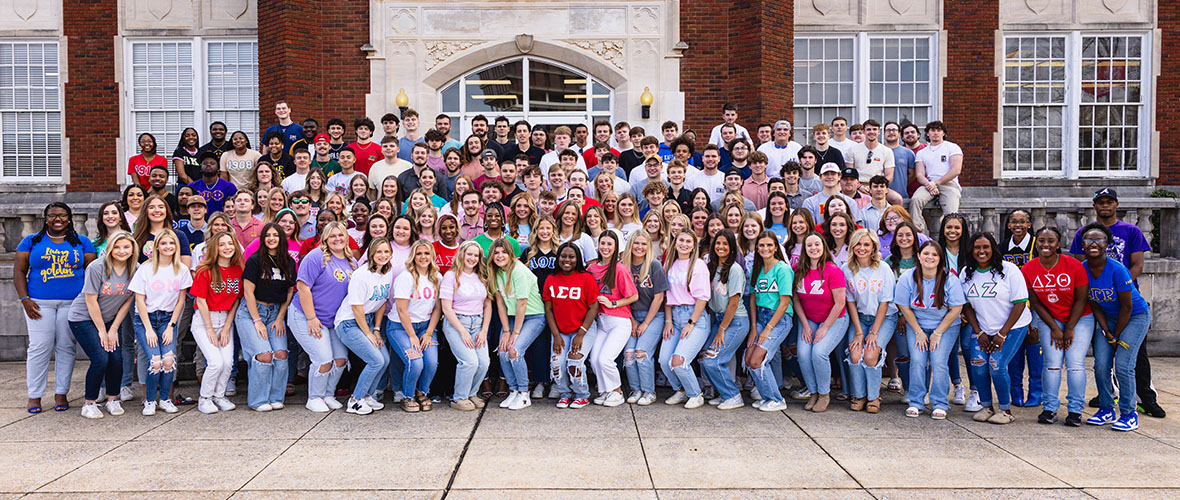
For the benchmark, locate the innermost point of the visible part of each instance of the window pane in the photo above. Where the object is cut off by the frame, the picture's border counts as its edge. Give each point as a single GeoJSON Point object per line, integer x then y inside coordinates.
{"type": "Point", "coordinates": [824, 82]}
{"type": "Point", "coordinates": [553, 88]}
{"type": "Point", "coordinates": [899, 79]}
{"type": "Point", "coordinates": [450, 99]}
{"type": "Point", "coordinates": [496, 89]}
{"type": "Point", "coordinates": [1034, 102]}
{"type": "Point", "coordinates": [231, 83]}
{"type": "Point", "coordinates": [1110, 103]}
{"type": "Point", "coordinates": [30, 111]}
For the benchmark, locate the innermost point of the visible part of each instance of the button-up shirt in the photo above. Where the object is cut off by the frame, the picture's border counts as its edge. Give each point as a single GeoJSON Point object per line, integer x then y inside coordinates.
{"type": "Point", "coordinates": [756, 192]}
{"type": "Point", "coordinates": [246, 234]}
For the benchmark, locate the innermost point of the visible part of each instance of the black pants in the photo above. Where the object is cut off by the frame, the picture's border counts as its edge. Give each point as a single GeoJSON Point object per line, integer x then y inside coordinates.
{"type": "Point", "coordinates": [1143, 376]}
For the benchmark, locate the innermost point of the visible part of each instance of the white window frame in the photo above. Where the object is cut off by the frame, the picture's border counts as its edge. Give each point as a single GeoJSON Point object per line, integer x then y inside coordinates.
{"type": "Point", "coordinates": [199, 115]}
{"type": "Point", "coordinates": [65, 154]}
{"type": "Point", "coordinates": [1070, 138]}
{"type": "Point", "coordinates": [861, 49]}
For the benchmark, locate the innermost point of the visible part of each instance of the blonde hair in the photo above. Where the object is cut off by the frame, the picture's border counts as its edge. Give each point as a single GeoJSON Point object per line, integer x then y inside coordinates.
{"type": "Point", "coordinates": [432, 273]}
{"type": "Point", "coordinates": [648, 257]}
{"type": "Point", "coordinates": [874, 256]}
{"type": "Point", "coordinates": [324, 243]}
{"type": "Point", "coordinates": [267, 214]}
{"type": "Point", "coordinates": [109, 260]}
{"type": "Point", "coordinates": [378, 241]}
{"type": "Point", "coordinates": [209, 261]}
{"type": "Point", "coordinates": [670, 237]}
{"type": "Point", "coordinates": [155, 258]}
{"type": "Point", "coordinates": [619, 222]}
{"type": "Point", "coordinates": [459, 267]}
{"type": "Point", "coordinates": [514, 221]}
{"type": "Point", "coordinates": [494, 270]}
{"type": "Point", "coordinates": [535, 239]}
{"type": "Point", "coordinates": [673, 255]}
{"type": "Point", "coordinates": [343, 204]}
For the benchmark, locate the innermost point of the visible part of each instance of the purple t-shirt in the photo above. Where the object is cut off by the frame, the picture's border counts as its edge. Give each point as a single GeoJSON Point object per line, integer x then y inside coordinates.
{"type": "Point", "coordinates": [1127, 240]}
{"type": "Point", "coordinates": [328, 283]}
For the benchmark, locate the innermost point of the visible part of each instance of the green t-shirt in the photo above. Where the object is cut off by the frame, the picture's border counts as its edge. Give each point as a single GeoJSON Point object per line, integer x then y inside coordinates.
{"type": "Point", "coordinates": [329, 167]}
{"type": "Point", "coordinates": [771, 284]}
{"type": "Point", "coordinates": [485, 242]}
{"type": "Point", "coordinates": [524, 284]}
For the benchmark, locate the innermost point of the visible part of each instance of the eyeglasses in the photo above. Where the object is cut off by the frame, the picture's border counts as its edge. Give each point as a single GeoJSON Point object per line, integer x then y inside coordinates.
{"type": "Point", "coordinates": [1089, 241]}
{"type": "Point", "coordinates": [58, 216]}
{"type": "Point", "coordinates": [893, 218]}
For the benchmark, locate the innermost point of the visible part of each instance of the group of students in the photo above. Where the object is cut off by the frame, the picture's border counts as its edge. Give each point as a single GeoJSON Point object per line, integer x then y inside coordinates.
{"type": "Point", "coordinates": [815, 291]}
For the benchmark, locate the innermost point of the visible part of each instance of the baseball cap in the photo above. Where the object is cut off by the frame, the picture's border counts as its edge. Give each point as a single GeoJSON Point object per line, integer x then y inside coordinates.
{"type": "Point", "coordinates": [655, 158]}
{"type": "Point", "coordinates": [320, 138]}
{"type": "Point", "coordinates": [196, 199]}
{"type": "Point", "coordinates": [782, 123]}
{"type": "Point", "coordinates": [487, 153]}
{"type": "Point", "coordinates": [849, 172]}
{"type": "Point", "coordinates": [829, 167]}
{"type": "Point", "coordinates": [1106, 192]}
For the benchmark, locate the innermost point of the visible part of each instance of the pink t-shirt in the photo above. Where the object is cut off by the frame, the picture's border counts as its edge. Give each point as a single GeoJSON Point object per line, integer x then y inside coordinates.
{"type": "Point", "coordinates": [681, 295]}
{"type": "Point", "coordinates": [624, 287]}
{"type": "Point", "coordinates": [815, 294]}
{"type": "Point", "coordinates": [468, 299]}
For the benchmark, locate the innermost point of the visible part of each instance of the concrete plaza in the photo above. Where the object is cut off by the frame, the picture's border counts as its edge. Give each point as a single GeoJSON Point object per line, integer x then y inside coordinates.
{"type": "Point", "coordinates": [610, 453]}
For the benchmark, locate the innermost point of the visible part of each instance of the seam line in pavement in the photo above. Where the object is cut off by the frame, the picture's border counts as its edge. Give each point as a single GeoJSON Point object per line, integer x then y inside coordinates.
{"type": "Point", "coordinates": [643, 450]}
{"type": "Point", "coordinates": [280, 454]}
{"type": "Point", "coordinates": [463, 454]}
{"type": "Point", "coordinates": [830, 457]}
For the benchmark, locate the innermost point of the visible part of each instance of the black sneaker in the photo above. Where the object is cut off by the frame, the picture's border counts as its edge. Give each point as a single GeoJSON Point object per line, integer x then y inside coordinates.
{"type": "Point", "coordinates": [1047, 417]}
{"type": "Point", "coordinates": [1152, 409]}
{"type": "Point", "coordinates": [1073, 420]}
{"type": "Point", "coordinates": [1094, 401]}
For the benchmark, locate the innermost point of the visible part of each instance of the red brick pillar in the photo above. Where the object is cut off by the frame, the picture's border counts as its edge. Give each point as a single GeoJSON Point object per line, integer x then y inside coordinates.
{"type": "Point", "coordinates": [704, 74]}
{"type": "Point", "coordinates": [971, 89]}
{"type": "Point", "coordinates": [91, 95]}
{"type": "Point", "coordinates": [1167, 90]}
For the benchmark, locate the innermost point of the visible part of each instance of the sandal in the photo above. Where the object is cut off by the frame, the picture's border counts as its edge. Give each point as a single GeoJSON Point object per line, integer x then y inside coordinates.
{"type": "Point", "coordinates": [290, 389]}
{"type": "Point", "coordinates": [60, 406]}
{"type": "Point", "coordinates": [485, 389]}
{"type": "Point", "coordinates": [501, 389]}
{"type": "Point", "coordinates": [842, 397]}
{"type": "Point", "coordinates": [938, 414]}
{"type": "Point", "coordinates": [34, 406]}
{"type": "Point", "coordinates": [424, 402]}
{"type": "Point", "coordinates": [858, 404]}
{"type": "Point", "coordinates": [409, 405]}
{"type": "Point", "coordinates": [894, 384]}
{"type": "Point", "coordinates": [873, 406]}
{"type": "Point", "coordinates": [913, 412]}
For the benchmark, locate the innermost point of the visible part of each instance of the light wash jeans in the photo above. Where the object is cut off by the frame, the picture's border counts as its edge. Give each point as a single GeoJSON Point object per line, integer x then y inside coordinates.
{"type": "Point", "coordinates": [417, 374]}
{"type": "Point", "coordinates": [764, 376]}
{"type": "Point", "coordinates": [472, 364]}
{"type": "Point", "coordinates": [866, 380]}
{"type": "Point", "coordinates": [516, 370]}
{"type": "Point", "coordinates": [159, 379]}
{"type": "Point", "coordinates": [49, 336]}
{"type": "Point", "coordinates": [815, 359]}
{"type": "Point", "coordinates": [1073, 359]}
{"type": "Point", "coordinates": [320, 351]}
{"type": "Point", "coordinates": [715, 363]}
{"type": "Point", "coordinates": [268, 381]}
{"type": "Point", "coordinates": [639, 354]}
{"type": "Point", "coordinates": [375, 358]}
{"type": "Point", "coordinates": [1122, 354]}
{"type": "Point", "coordinates": [939, 384]}
{"type": "Point", "coordinates": [612, 336]}
{"type": "Point", "coordinates": [683, 377]}
{"type": "Point", "coordinates": [570, 374]}
{"type": "Point", "coordinates": [993, 368]}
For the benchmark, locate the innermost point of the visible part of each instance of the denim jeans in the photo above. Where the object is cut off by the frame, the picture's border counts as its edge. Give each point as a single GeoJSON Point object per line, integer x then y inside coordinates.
{"type": "Point", "coordinates": [612, 336]}
{"type": "Point", "coordinates": [268, 381]}
{"type": "Point", "coordinates": [764, 379]}
{"type": "Point", "coordinates": [49, 336]}
{"type": "Point", "coordinates": [321, 351]}
{"type": "Point", "coordinates": [1073, 359]}
{"type": "Point", "coordinates": [159, 378]}
{"type": "Point", "coordinates": [416, 374]}
{"type": "Point", "coordinates": [639, 354]}
{"type": "Point", "coordinates": [940, 378]}
{"type": "Point", "coordinates": [104, 366]}
{"type": "Point", "coordinates": [472, 363]}
{"type": "Point", "coordinates": [1036, 363]}
{"type": "Point", "coordinates": [568, 373]}
{"type": "Point", "coordinates": [1122, 354]}
{"type": "Point", "coordinates": [993, 368]}
{"type": "Point", "coordinates": [682, 377]}
{"type": "Point", "coordinates": [902, 346]}
{"type": "Point", "coordinates": [866, 380]}
{"type": "Point", "coordinates": [814, 358]}
{"type": "Point", "coordinates": [715, 363]}
{"type": "Point", "coordinates": [375, 358]}
{"type": "Point", "coordinates": [134, 360]}
{"type": "Point", "coordinates": [516, 370]}
{"type": "Point", "coordinates": [966, 337]}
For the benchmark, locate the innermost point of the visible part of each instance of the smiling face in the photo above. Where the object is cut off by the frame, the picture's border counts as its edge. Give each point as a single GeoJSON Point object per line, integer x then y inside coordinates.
{"type": "Point", "coordinates": [981, 250]}
{"type": "Point", "coordinates": [1048, 244]}
{"type": "Point", "coordinates": [166, 247]}
{"type": "Point", "coordinates": [337, 240]}
{"type": "Point", "coordinates": [1094, 244]}
{"type": "Point", "coordinates": [799, 225]}
{"type": "Point", "coordinates": [814, 246]}
{"type": "Point", "coordinates": [471, 257]}
{"type": "Point", "coordinates": [1019, 224]}
{"type": "Point", "coordinates": [500, 257]}
{"type": "Point", "coordinates": [378, 227]}
{"type": "Point", "coordinates": [684, 245]}
{"type": "Point", "coordinates": [423, 256]}
{"type": "Point", "coordinates": [751, 228]}
{"type": "Point", "coordinates": [448, 230]}
{"type": "Point", "coordinates": [863, 249]}
{"type": "Point", "coordinates": [639, 247]}
{"type": "Point", "coordinates": [135, 197]}
{"type": "Point", "coordinates": [157, 210]}
{"type": "Point", "coordinates": [930, 258]}
{"type": "Point", "coordinates": [952, 230]}
{"type": "Point", "coordinates": [493, 220]}
{"type": "Point", "coordinates": [606, 248]}
{"type": "Point", "coordinates": [839, 227]}
{"type": "Point", "coordinates": [721, 249]}
{"type": "Point", "coordinates": [121, 250]}
{"type": "Point", "coordinates": [112, 218]}
{"type": "Point", "coordinates": [766, 246]}
{"type": "Point", "coordinates": [226, 246]}
{"type": "Point", "coordinates": [381, 254]}
{"type": "Point", "coordinates": [904, 237]}
{"type": "Point", "coordinates": [402, 231]}
{"type": "Point", "coordinates": [287, 223]}
{"type": "Point", "coordinates": [270, 239]}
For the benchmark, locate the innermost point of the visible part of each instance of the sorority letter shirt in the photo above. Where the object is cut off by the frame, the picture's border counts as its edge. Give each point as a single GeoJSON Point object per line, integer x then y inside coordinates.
{"type": "Point", "coordinates": [992, 296]}
{"type": "Point", "coordinates": [421, 298]}
{"type": "Point", "coordinates": [1054, 287]}
{"type": "Point", "coordinates": [328, 283]}
{"type": "Point", "coordinates": [906, 293]}
{"type": "Point", "coordinates": [160, 287]}
{"type": "Point", "coordinates": [815, 293]}
{"type": "Point", "coordinates": [367, 289]}
{"type": "Point", "coordinates": [624, 287]}
{"type": "Point", "coordinates": [111, 292]}
{"type": "Point", "coordinates": [219, 296]}
{"type": "Point", "coordinates": [571, 295]}
{"type": "Point", "coordinates": [771, 284]}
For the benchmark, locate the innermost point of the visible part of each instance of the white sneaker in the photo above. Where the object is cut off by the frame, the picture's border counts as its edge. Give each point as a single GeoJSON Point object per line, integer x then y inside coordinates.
{"type": "Point", "coordinates": [757, 403]}
{"type": "Point", "coordinates": [539, 391]}
{"type": "Point", "coordinates": [600, 399]}
{"type": "Point", "coordinates": [206, 406]}
{"type": "Point", "coordinates": [634, 397]}
{"type": "Point", "coordinates": [358, 407]}
{"type": "Point", "coordinates": [373, 403]}
{"type": "Point", "coordinates": [508, 400]}
{"type": "Point", "coordinates": [735, 402]}
{"type": "Point", "coordinates": [377, 395]}
{"type": "Point", "coordinates": [90, 410]}
{"type": "Point", "coordinates": [276, 406]}
{"type": "Point", "coordinates": [149, 408]}
{"type": "Point", "coordinates": [314, 404]}
{"type": "Point", "coordinates": [614, 399]}
{"type": "Point", "coordinates": [115, 407]}
{"type": "Point", "coordinates": [125, 393]}
{"type": "Point", "coordinates": [716, 401]}
{"type": "Point", "coordinates": [676, 398]}
{"type": "Point", "coordinates": [773, 406]}
{"type": "Point", "coordinates": [800, 394]}
{"type": "Point", "coordinates": [263, 408]}
{"type": "Point", "coordinates": [972, 403]}
{"type": "Point", "coordinates": [332, 403]}
{"type": "Point", "coordinates": [164, 404]}
{"type": "Point", "coordinates": [960, 396]}
{"type": "Point", "coordinates": [521, 401]}
{"type": "Point", "coordinates": [231, 387]}
{"type": "Point", "coordinates": [398, 396]}
{"type": "Point", "coordinates": [223, 404]}
{"type": "Point", "coordinates": [754, 394]}
{"type": "Point", "coordinates": [553, 392]}
{"type": "Point", "coordinates": [646, 399]}
{"type": "Point", "coordinates": [695, 402]}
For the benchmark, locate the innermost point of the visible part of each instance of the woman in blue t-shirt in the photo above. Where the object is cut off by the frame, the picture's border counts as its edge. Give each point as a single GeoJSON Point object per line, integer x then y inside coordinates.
{"type": "Point", "coordinates": [48, 275]}
{"type": "Point", "coordinates": [1123, 317]}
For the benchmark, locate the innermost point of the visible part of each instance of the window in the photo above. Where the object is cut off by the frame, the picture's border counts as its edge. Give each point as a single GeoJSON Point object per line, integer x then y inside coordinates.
{"type": "Point", "coordinates": [30, 112]}
{"type": "Point", "coordinates": [884, 76]}
{"type": "Point", "coordinates": [528, 88]}
{"type": "Point", "coordinates": [189, 82]}
{"type": "Point", "coordinates": [1073, 105]}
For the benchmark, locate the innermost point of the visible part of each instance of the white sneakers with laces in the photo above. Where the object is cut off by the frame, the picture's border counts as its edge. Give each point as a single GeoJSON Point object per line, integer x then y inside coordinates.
{"type": "Point", "coordinates": [509, 400]}
{"type": "Point", "coordinates": [149, 408]}
{"type": "Point", "coordinates": [314, 404]}
{"type": "Point", "coordinates": [114, 407]}
{"type": "Point", "coordinates": [358, 407]}
{"type": "Point", "coordinates": [676, 398]}
{"type": "Point", "coordinates": [613, 399]}
{"type": "Point", "coordinates": [521, 401]}
{"type": "Point", "coordinates": [125, 393]}
{"type": "Point", "coordinates": [960, 396]}
{"type": "Point", "coordinates": [373, 403]}
{"type": "Point", "coordinates": [223, 404]}
{"type": "Point", "coordinates": [206, 406]}
{"type": "Point", "coordinates": [646, 399]}
{"type": "Point", "coordinates": [973, 405]}
{"type": "Point", "coordinates": [333, 403]}
{"type": "Point", "coordinates": [90, 410]}
{"type": "Point", "coordinates": [163, 404]}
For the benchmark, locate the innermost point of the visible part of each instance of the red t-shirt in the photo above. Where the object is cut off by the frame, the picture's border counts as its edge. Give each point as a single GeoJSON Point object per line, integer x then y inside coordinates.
{"type": "Point", "coordinates": [572, 297]}
{"type": "Point", "coordinates": [815, 293]}
{"type": "Point", "coordinates": [624, 287]}
{"type": "Point", "coordinates": [591, 160]}
{"type": "Point", "coordinates": [140, 168]}
{"type": "Point", "coordinates": [312, 243]}
{"type": "Point", "coordinates": [366, 156]}
{"type": "Point", "coordinates": [1055, 287]}
{"type": "Point", "coordinates": [221, 297]}
{"type": "Point", "coordinates": [444, 256]}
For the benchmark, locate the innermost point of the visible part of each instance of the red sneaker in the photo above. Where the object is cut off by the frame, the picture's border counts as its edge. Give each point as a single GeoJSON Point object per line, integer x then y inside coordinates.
{"type": "Point", "coordinates": [563, 403]}
{"type": "Point", "coordinates": [579, 403]}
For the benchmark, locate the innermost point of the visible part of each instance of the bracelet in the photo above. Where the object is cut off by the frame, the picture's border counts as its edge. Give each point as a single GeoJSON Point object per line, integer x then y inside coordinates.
{"type": "Point", "coordinates": [257, 320]}
{"type": "Point", "coordinates": [692, 322]}
{"type": "Point", "coordinates": [581, 328]}
{"type": "Point", "coordinates": [26, 297]}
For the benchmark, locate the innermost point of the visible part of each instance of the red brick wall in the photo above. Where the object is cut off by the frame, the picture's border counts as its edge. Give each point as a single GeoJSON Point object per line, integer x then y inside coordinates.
{"type": "Point", "coordinates": [91, 95]}
{"type": "Point", "coordinates": [970, 89]}
{"type": "Point", "coordinates": [1167, 92]}
{"type": "Point", "coordinates": [309, 55]}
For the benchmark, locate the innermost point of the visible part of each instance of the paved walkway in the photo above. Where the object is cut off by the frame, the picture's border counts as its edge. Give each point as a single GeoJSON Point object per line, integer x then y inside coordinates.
{"type": "Point", "coordinates": [610, 453]}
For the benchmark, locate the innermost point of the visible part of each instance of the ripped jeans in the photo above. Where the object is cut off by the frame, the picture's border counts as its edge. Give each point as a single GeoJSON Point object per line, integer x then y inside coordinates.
{"type": "Point", "coordinates": [322, 351]}
{"type": "Point", "coordinates": [639, 354]}
{"type": "Point", "coordinates": [993, 368]}
{"type": "Point", "coordinates": [1073, 359]}
{"type": "Point", "coordinates": [162, 367]}
{"type": "Point", "coordinates": [516, 369]}
{"type": "Point", "coordinates": [764, 379]}
{"type": "Point", "coordinates": [568, 371]}
{"type": "Point", "coordinates": [682, 376]}
{"type": "Point", "coordinates": [268, 379]}
{"type": "Point", "coordinates": [865, 379]}
{"type": "Point", "coordinates": [1122, 356]}
{"type": "Point", "coordinates": [715, 363]}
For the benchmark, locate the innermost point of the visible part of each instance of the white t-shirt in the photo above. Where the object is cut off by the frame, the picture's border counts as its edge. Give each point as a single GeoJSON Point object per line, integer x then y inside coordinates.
{"type": "Point", "coordinates": [779, 156]}
{"type": "Point", "coordinates": [713, 184]}
{"type": "Point", "coordinates": [868, 165]}
{"type": "Point", "coordinates": [382, 169]}
{"type": "Point", "coordinates": [161, 287]}
{"type": "Point", "coordinates": [294, 182]}
{"type": "Point", "coordinates": [422, 300]}
{"type": "Point", "coordinates": [937, 159]}
{"type": "Point", "coordinates": [553, 158]}
{"type": "Point", "coordinates": [992, 297]}
{"type": "Point", "coordinates": [366, 288]}
{"type": "Point", "coordinates": [869, 287]}
{"type": "Point", "coordinates": [842, 145]}
{"type": "Point", "coordinates": [338, 183]}
{"type": "Point", "coordinates": [715, 135]}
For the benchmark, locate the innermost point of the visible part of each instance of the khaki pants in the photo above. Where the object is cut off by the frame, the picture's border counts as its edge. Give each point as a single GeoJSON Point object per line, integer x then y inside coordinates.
{"type": "Point", "coordinates": [948, 198]}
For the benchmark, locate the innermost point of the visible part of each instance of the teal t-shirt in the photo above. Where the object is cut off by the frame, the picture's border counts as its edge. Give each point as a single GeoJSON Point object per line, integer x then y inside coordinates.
{"type": "Point", "coordinates": [485, 243]}
{"type": "Point", "coordinates": [771, 284]}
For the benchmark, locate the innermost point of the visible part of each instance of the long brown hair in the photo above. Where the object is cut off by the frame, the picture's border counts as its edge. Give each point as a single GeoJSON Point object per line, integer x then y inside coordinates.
{"type": "Point", "coordinates": [143, 225]}
{"type": "Point", "coordinates": [940, 276]}
{"type": "Point", "coordinates": [805, 265]}
{"type": "Point", "coordinates": [210, 261]}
